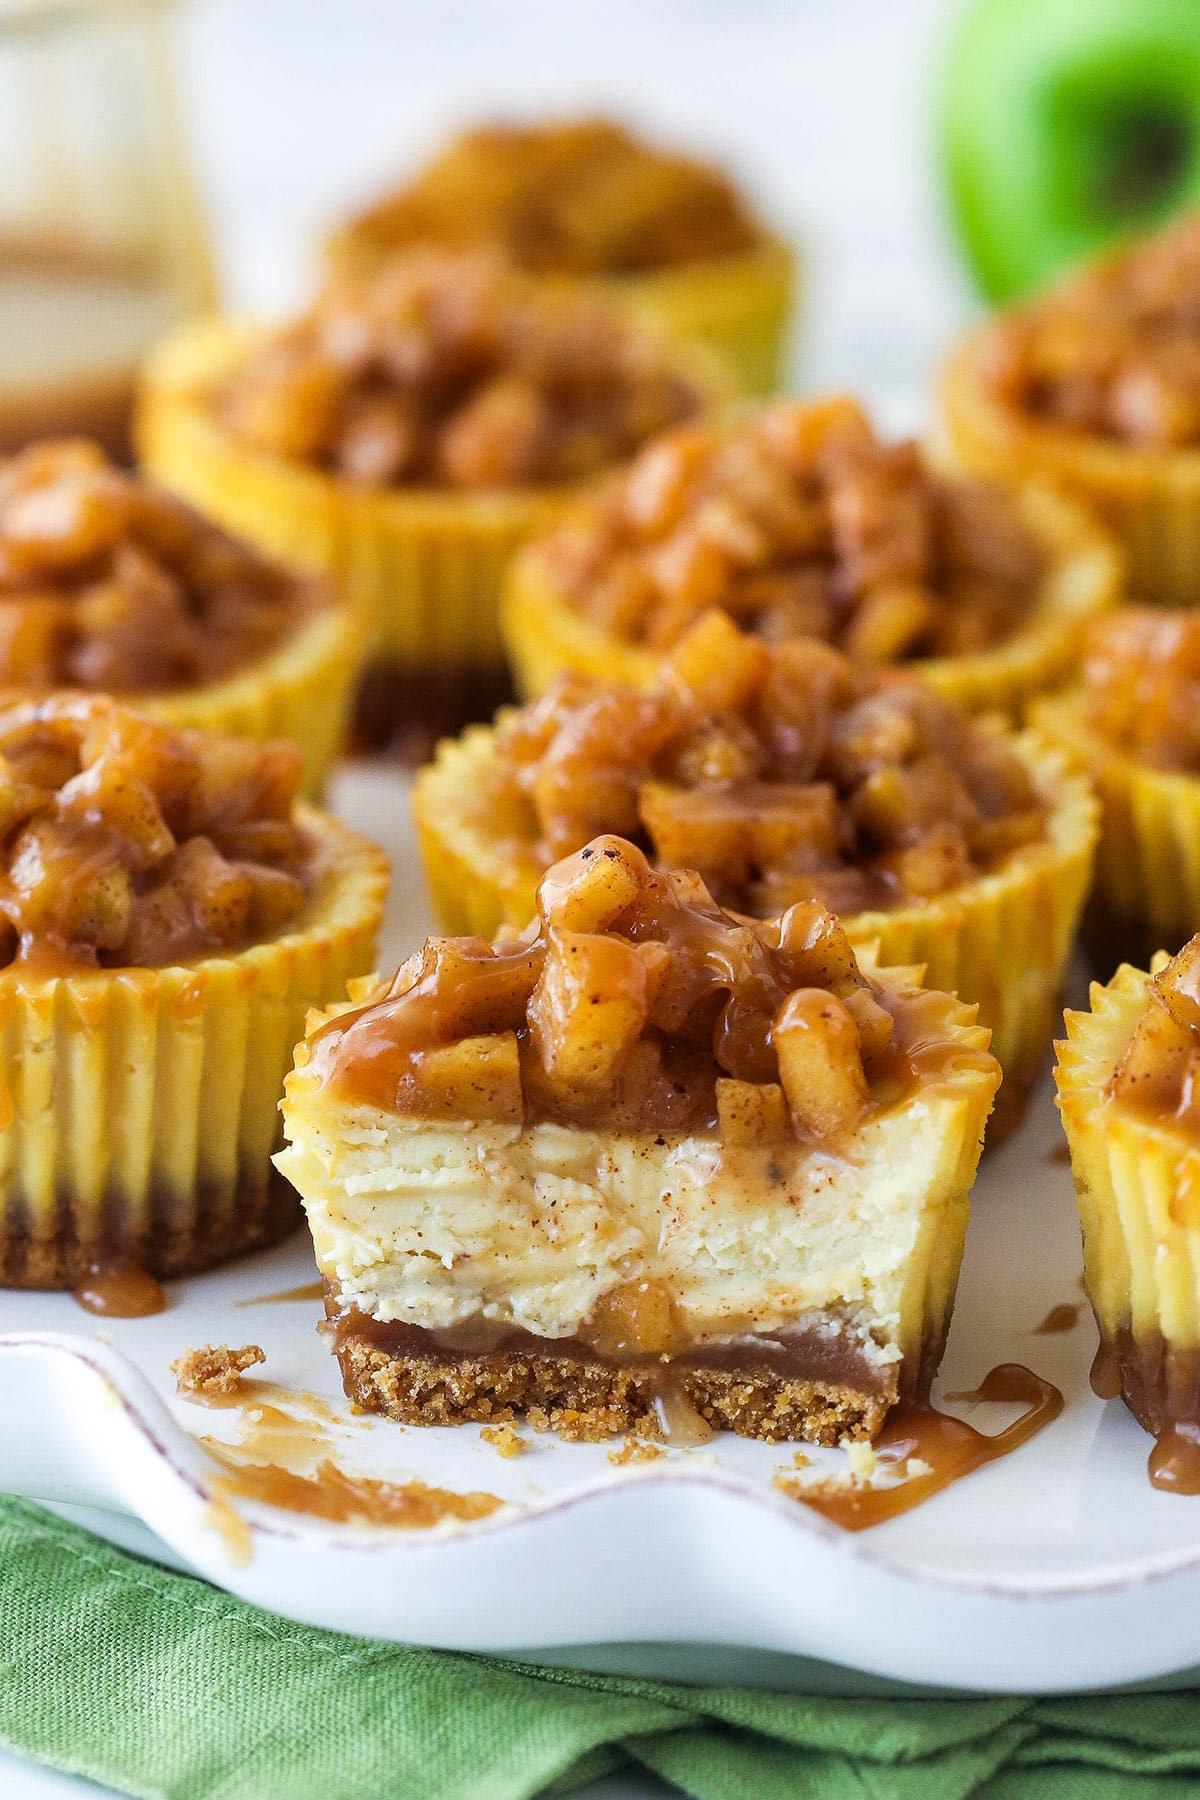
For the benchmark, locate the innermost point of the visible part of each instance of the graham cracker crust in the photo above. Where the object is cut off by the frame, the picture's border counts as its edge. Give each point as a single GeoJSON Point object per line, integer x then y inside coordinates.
{"type": "Point", "coordinates": [402, 711]}
{"type": "Point", "coordinates": [590, 1400]}
{"type": "Point", "coordinates": [184, 1235]}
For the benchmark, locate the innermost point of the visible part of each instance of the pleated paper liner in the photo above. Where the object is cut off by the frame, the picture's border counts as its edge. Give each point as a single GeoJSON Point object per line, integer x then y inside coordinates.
{"type": "Point", "coordinates": [1001, 942]}
{"type": "Point", "coordinates": [140, 1106]}
{"type": "Point", "coordinates": [426, 566]}
{"type": "Point", "coordinates": [738, 307]}
{"type": "Point", "coordinates": [1148, 858]}
{"type": "Point", "coordinates": [1137, 1180]}
{"type": "Point", "coordinates": [1149, 499]}
{"type": "Point", "coordinates": [303, 690]}
{"type": "Point", "coordinates": [546, 633]}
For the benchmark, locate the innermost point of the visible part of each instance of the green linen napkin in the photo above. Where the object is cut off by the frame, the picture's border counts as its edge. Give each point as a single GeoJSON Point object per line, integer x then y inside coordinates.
{"type": "Point", "coordinates": [159, 1685]}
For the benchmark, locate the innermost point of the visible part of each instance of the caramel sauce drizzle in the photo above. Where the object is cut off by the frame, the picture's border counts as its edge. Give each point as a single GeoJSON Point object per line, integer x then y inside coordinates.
{"type": "Point", "coordinates": [732, 974]}
{"type": "Point", "coordinates": [1060, 1318]}
{"type": "Point", "coordinates": [282, 1459]}
{"type": "Point", "coordinates": [119, 1291]}
{"type": "Point", "coordinates": [230, 1527]}
{"type": "Point", "coordinates": [1105, 1372]}
{"type": "Point", "coordinates": [307, 1290]}
{"type": "Point", "coordinates": [1174, 1462]}
{"type": "Point", "coordinates": [332, 1494]}
{"type": "Point", "coordinates": [950, 1447]}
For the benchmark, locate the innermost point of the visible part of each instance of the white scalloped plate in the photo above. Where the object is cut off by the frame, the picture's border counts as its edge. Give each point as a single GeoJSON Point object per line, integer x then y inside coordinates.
{"type": "Point", "coordinates": [1056, 1568]}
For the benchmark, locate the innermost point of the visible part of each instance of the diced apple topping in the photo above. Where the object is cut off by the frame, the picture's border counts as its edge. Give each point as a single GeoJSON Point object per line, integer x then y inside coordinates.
{"type": "Point", "coordinates": [636, 1004]}
{"type": "Point", "coordinates": [778, 772]}
{"type": "Point", "coordinates": [1112, 350]}
{"type": "Point", "coordinates": [129, 843]}
{"type": "Point", "coordinates": [797, 521]}
{"type": "Point", "coordinates": [1160, 1069]}
{"type": "Point", "coordinates": [452, 369]}
{"type": "Point", "coordinates": [1141, 673]}
{"type": "Point", "coordinates": [110, 584]}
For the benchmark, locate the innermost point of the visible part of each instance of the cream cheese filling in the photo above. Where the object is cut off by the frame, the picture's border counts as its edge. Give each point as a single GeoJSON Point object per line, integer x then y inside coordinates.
{"type": "Point", "coordinates": [433, 1224]}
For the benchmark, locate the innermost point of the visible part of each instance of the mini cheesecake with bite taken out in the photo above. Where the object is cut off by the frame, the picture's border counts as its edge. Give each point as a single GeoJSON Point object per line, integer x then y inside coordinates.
{"type": "Point", "coordinates": [643, 1161]}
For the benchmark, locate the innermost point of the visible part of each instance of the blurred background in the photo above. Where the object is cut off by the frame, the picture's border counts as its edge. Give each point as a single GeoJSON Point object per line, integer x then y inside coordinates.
{"type": "Point", "coordinates": [213, 142]}
{"type": "Point", "coordinates": [300, 108]}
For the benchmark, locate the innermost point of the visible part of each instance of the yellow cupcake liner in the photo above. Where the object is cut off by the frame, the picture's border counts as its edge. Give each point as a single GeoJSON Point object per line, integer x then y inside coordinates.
{"type": "Point", "coordinates": [1148, 859]}
{"type": "Point", "coordinates": [140, 1106]}
{"type": "Point", "coordinates": [425, 566]}
{"type": "Point", "coordinates": [1137, 1181]}
{"type": "Point", "coordinates": [739, 307]}
{"type": "Point", "coordinates": [1001, 943]}
{"type": "Point", "coordinates": [302, 691]}
{"type": "Point", "coordinates": [1149, 499]}
{"type": "Point", "coordinates": [545, 633]}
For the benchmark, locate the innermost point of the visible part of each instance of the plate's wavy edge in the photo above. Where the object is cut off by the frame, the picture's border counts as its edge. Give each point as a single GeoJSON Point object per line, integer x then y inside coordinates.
{"type": "Point", "coordinates": [115, 1370]}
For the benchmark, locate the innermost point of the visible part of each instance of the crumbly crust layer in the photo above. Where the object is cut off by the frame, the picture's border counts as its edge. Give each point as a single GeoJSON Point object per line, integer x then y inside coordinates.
{"type": "Point", "coordinates": [585, 1399]}
{"type": "Point", "coordinates": [181, 1234]}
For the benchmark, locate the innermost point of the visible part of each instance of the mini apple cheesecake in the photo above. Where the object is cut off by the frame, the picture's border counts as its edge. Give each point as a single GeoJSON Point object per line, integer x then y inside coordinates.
{"type": "Point", "coordinates": [1134, 720]}
{"type": "Point", "coordinates": [168, 914]}
{"type": "Point", "coordinates": [642, 1159]}
{"type": "Point", "coordinates": [1129, 1093]}
{"type": "Point", "coordinates": [784, 773]}
{"type": "Point", "coordinates": [1095, 386]}
{"type": "Point", "coordinates": [799, 521]}
{"type": "Point", "coordinates": [404, 436]}
{"type": "Point", "coordinates": [583, 200]}
{"type": "Point", "coordinates": [108, 584]}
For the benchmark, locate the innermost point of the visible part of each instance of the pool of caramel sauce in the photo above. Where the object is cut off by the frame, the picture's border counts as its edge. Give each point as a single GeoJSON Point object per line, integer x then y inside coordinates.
{"type": "Point", "coordinates": [950, 1447]}
{"type": "Point", "coordinates": [119, 1290]}
{"type": "Point", "coordinates": [282, 1459]}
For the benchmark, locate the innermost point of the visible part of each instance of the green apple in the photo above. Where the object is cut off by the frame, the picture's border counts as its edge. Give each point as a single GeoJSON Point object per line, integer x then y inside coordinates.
{"type": "Point", "coordinates": [1065, 124]}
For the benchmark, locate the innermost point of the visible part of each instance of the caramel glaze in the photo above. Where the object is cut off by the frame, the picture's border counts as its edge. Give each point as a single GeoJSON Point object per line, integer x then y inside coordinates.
{"type": "Point", "coordinates": [1160, 1384]}
{"type": "Point", "coordinates": [307, 1290]}
{"type": "Point", "coordinates": [628, 1339]}
{"type": "Point", "coordinates": [119, 1290]}
{"type": "Point", "coordinates": [737, 974]}
{"type": "Point", "coordinates": [330, 1493]}
{"type": "Point", "coordinates": [950, 1447]}
{"type": "Point", "coordinates": [281, 1459]}
{"type": "Point", "coordinates": [1064, 1317]}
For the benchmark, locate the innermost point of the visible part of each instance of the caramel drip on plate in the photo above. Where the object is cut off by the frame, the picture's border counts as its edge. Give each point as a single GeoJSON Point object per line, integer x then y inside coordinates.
{"type": "Point", "coordinates": [1105, 1372]}
{"type": "Point", "coordinates": [950, 1447]}
{"type": "Point", "coordinates": [1174, 1464]}
{"type": "Point", "coordinates": [1060, 1156]}
{"type": "Point", "coordinates": [332, 1494]}
{"type": "Point", "coordinates": [1064, 1317]}
{"type": "Point", "coordinates": [307, 1290]}
{"type": "Point", "coordinates": [119, 1291]}
{"type": "Point", "coordinates": [231, 1528]}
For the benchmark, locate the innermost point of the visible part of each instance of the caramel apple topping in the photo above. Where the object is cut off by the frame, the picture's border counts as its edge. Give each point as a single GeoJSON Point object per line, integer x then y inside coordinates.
{"type": "Point", "coordinates": [781, 772]}
{"type": "Point", "coordinates": [128, 843]}
{"type": "Point", "coordinates": [1141, 673]}
{"type": "Point", "coordinates": [577, 197]}
{"type": "Point", "coordinates": [800, 522]}
{"type": "Point", "coordinates": [454, 371]}
{"type": "Point", "coordinates": [633, 1003]}
{"type": "Point", "coordinates": [1159, 1072]}
{"type": "Point", "coordinates": [109, 583]}
{"type": "Point", "coordinates": [1115, 351]}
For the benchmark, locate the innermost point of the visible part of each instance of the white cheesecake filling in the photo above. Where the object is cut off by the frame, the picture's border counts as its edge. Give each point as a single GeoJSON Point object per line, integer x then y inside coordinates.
{"type": "Point", "coordinates": [434, 1224]}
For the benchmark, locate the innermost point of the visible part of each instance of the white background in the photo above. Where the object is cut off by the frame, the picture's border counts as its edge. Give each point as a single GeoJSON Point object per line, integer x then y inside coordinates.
{"type": "Point", "coordinates": [823, 107]}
